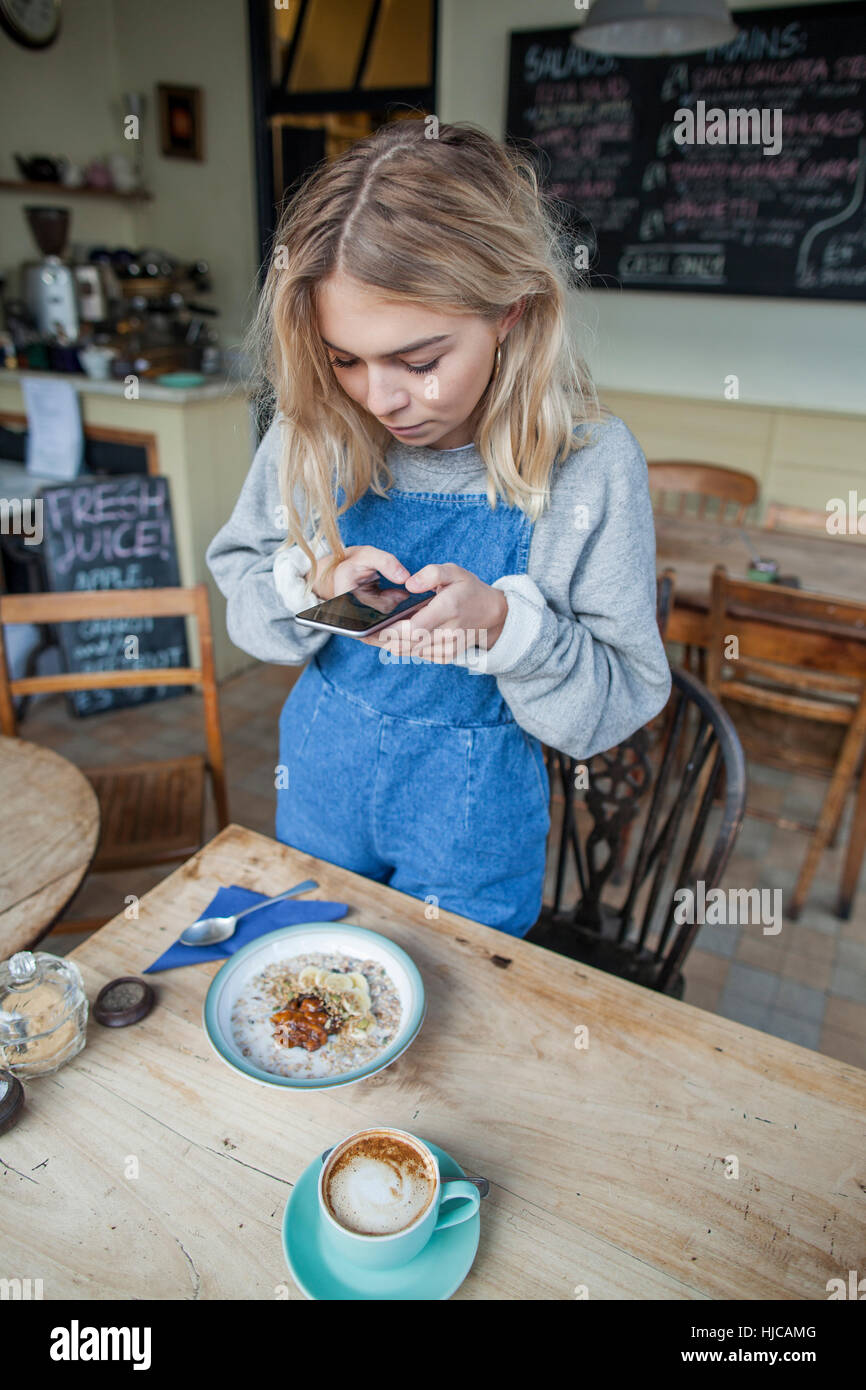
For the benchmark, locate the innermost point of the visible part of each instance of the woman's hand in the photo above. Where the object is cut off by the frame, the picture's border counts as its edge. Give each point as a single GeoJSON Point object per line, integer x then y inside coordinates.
{"type": "Point", "coordinates": [465, 613]}
{"type": "Point", "coordinates": [360, 564]}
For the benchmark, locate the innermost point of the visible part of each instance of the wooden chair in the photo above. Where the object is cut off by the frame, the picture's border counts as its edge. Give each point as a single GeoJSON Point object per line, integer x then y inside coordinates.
{"type": "Point", "coordinates": [780, 517]}
{"type": "Point", "coordinates": [636, 939]}
{"type": "Point", "coordinates": [665, 587]}
{"type": "Point", "coordinates": [733, 492]}
{"type": "Point", "coordinates": [151, 812]}
{"type": "Point", "coordinates": [769, 623]}
{"type": "Point", "coordinates": [706, 481]}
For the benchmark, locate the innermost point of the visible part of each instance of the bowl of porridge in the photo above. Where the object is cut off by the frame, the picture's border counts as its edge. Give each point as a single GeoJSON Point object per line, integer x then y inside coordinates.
{"type": "Point", "coordinates": [314, 1006]}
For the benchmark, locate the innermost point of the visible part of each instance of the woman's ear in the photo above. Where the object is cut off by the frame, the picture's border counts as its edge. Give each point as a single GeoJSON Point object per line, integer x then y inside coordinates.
{"type": "Point", "coordinates": [510, 318]}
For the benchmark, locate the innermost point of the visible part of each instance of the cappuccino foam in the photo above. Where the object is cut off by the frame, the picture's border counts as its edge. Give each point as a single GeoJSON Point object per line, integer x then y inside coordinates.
{"type": "Point", "coordinates": [379, 1185]}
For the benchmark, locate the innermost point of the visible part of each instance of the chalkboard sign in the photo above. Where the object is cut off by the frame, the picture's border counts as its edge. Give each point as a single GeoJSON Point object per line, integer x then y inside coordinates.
{"type": "Point", "coordinates": [739, 169]}
{"type": "Point", "coordinates": [114, 533]}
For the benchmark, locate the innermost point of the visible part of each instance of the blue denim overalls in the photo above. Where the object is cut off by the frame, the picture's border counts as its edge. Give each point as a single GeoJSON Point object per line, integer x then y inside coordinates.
{"type": "Point", "coordinates": [416, 774]}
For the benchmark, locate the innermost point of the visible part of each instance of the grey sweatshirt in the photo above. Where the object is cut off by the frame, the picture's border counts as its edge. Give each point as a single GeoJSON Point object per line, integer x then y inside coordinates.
{"type": "Point", "coordinates": [579, 660]}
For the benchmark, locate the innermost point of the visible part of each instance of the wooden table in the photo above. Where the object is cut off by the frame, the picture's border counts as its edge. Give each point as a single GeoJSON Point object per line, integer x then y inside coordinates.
{"type": "Point", "coordinates": [823, 564]}
{"type": "Point", "coordinates": [49, 830]}
{"type": "Point", "coordinates": [149, 1169]}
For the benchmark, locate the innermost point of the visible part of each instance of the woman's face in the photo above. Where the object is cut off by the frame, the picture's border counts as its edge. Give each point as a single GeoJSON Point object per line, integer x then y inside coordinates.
{"type": "Point", "coordinates": [421, 372]}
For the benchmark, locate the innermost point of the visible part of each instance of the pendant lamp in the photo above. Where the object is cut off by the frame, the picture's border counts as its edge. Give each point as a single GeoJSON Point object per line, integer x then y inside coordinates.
{"type": "Point", "coordinates": [655, 28]}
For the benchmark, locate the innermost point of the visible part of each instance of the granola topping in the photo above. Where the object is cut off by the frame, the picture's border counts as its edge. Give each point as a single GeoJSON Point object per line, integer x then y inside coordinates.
{"type": "Point", "coordinates": [317, 1015]}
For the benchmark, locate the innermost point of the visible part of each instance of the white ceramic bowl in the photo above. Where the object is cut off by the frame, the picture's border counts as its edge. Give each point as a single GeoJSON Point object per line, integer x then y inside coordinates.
{"type": "Point", "coordinates": [230, 982]}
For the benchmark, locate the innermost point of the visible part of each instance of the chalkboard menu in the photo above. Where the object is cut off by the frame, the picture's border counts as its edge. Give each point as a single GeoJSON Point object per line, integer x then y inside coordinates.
{"type": "Point", "coordinates": [114, 533]}
{"type": "Point", "coordinates": [738, 170]}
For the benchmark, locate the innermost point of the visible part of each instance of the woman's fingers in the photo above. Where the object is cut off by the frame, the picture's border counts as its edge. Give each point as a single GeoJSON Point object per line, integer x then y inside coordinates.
{"type": "Point", "coordinates": [383, 561]}
{"type": "Point", "coordinates": [434, 576]}
{"type": "Point", "coordinates": [436, 641]}
{"type": "Point", "coordinates": [395, 634]}
{"type": "Point", "coordinates": [435, 613]}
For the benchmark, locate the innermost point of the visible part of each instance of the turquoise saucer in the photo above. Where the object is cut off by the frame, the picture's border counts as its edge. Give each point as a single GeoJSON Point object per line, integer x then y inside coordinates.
{"type": "Point", "coordinates": [436, 1273]}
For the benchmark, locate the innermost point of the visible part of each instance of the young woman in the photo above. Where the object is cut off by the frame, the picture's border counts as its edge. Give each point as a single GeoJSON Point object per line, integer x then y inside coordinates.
{"type": "Point", "coordinates": [435, 423]}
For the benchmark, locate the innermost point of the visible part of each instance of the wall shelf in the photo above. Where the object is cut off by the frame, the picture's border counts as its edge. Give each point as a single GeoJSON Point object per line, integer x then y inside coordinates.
{"type": "Point", "coordinates": [140, 195]}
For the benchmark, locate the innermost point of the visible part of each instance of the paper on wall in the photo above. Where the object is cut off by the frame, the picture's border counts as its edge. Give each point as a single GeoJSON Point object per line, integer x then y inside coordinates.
{"type": "Point", "coordinates": [55, 440]}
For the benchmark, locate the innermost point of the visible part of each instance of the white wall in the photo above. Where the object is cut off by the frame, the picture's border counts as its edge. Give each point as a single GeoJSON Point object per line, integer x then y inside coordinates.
{"type": "Point", "coordinates": [200, 209]}
{"type": "Point", "coordinates": [66, 100]}
{"type": "Point", "coordinates": [59, 101]}
{"type": "Point", "coordinates": [786, 352]}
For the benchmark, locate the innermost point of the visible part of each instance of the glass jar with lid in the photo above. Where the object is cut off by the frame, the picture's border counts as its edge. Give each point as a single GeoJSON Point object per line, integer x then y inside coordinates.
{"type": "Point", "coordinates": [43, 1013]}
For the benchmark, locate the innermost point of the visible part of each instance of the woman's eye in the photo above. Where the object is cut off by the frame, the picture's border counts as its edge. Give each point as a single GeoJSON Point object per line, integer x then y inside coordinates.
{"type": "Point", "coordinates": [419, 371]}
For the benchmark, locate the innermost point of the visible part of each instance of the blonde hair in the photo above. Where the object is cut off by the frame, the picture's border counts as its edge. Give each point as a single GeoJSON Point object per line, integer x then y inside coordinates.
{"type": "Point", "coordinates": [456, 223]}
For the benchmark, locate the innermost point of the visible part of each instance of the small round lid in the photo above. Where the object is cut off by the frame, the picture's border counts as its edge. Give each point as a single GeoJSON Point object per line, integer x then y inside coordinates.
{"type": "Point", "coordinates": [123, 1001]}
{"type": "Point", "coordinates": [11, 1100]}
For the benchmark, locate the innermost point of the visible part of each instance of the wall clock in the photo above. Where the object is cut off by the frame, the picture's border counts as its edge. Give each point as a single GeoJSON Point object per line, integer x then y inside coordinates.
{"type": "Point", "coordinates": [32, 23]}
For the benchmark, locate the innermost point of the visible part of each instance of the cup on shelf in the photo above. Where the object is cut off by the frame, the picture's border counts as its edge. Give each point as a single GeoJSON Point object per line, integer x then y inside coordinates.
{"type": "Point", "coordinates": [97, 361]}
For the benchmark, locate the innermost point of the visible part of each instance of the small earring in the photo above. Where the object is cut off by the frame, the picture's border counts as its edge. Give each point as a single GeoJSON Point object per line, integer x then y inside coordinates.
{"type": "Point", "coordinates": [497, 361]}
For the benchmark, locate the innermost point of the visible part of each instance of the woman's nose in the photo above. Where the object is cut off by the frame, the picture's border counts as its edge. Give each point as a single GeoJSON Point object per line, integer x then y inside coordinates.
{"type": "Point", "coordinates": [384, 394]}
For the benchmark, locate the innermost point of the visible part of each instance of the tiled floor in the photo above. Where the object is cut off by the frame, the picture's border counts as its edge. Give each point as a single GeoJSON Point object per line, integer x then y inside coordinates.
{"type": "Point", "coordinates": [807, 983]}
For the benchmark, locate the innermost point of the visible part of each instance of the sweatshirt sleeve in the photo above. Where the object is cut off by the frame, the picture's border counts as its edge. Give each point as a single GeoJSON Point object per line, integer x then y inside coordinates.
{"type": "Point", "coordinates": [579, 660]}
{"type": "Point", "coordinates": [241, 557]}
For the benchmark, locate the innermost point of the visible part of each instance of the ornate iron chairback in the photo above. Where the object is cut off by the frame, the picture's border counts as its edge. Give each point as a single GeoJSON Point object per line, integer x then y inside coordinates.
{"type": "Point", "coordinates": [673, 768]}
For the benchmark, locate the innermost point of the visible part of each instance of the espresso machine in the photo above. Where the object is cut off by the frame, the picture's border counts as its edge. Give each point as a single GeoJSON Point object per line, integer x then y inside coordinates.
{"type": "Point", "coordinates": [49, 285]}
{"type": "Point", "coordinates": [62, 296]}
{"type": "Point", "coordinates": [145, 305]}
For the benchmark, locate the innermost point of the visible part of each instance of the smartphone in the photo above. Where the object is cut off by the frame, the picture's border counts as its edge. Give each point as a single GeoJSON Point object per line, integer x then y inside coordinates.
{"type": "Point", "coordinates": [375, 604]}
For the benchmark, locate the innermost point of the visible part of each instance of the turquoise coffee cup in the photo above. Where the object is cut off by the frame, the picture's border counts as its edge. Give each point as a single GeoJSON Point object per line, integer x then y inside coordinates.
{"type": "Point", "coordinates": [452, 1201]}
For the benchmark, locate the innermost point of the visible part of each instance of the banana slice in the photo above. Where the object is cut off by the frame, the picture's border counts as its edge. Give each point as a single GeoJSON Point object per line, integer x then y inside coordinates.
{"type": "Point", "coordinates": [349, 986]}
{"type": "Point", "coordinates": [310, 977]}
{"type": "Point", "coordinates": [360, 995]}
{"type": "Point", "coordinates": [335, 983]}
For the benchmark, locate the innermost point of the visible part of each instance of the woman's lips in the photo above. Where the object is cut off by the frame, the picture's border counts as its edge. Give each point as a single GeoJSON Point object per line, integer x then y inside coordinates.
{"type": "Point", "coordinates": [407, 429]}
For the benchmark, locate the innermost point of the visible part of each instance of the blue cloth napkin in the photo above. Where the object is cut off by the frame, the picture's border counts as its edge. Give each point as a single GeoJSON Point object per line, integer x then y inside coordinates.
{"type": "Point", "coordinates": [228, 901]}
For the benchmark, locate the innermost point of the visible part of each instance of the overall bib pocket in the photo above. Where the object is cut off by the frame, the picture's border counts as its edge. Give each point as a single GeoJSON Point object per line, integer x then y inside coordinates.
{"type": "Point", "coordinates": [508, 798]}
{"type": "Point", "coordinates": [299, 714]}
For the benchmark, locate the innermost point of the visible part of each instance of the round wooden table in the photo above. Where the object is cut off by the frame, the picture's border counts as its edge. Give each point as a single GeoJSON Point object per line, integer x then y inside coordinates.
{"type": "Point", "coordinates": [49, 830]}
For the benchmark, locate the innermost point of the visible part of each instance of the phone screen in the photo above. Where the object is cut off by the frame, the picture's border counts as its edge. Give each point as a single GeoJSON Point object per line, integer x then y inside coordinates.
{"type": "Point", "coordinates": [376, 601]}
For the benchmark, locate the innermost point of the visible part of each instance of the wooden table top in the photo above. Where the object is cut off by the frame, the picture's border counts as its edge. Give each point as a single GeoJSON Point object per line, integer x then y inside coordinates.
{"type": "Point", "coordinates": [49, 829]}
{"type": "Point", "coordinates": [824, 564]}
{"type": "Point", "coordinates": [607, 1163]}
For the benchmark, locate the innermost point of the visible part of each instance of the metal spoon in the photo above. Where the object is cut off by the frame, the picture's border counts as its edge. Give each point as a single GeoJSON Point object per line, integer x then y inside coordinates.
{"type": "Point", "coordinates": [213, 929]}
{"type": "Point", "coordinates": [482, 1184]}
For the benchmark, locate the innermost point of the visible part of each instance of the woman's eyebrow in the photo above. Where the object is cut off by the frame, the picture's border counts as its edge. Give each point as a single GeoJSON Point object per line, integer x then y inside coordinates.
{"type": "Point", "coordinates": [412, 347]}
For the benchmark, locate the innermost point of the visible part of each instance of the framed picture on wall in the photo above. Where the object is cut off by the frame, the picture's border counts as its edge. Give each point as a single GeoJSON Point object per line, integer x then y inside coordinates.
{"type": "Point", "coordinates": [180, 121]}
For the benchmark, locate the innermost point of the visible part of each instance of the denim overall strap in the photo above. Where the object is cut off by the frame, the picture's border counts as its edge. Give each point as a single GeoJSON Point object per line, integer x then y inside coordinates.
{"type": "Point", "coordinates": [423, 528]}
